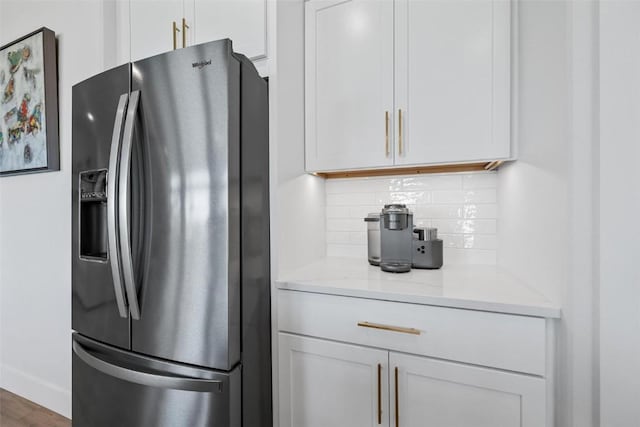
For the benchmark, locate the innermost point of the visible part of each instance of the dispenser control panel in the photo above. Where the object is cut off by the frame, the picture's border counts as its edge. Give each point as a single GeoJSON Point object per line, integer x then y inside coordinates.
{"type": "Point", "coordinates": [93, 215]}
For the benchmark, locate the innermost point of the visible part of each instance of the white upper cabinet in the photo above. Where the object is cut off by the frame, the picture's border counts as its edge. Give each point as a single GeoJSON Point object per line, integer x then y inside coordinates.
{"type": "Point", "coordinates": [349, 84]}
{"type": "Point", "coordinates": [146, 27]}
{"type": "Point", "coordinates": [243, 21]}
{"type": "Point", "coordinates": [452, 80]}
{"type": "Point", "coordinates": [441, 70]}
{"type": "Point", "coordinates": [152, 26]}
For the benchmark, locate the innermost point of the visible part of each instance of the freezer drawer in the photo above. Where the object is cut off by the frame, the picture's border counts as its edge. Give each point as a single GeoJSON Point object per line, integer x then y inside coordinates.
{"type": "Point", "coordinates": [112, 387]}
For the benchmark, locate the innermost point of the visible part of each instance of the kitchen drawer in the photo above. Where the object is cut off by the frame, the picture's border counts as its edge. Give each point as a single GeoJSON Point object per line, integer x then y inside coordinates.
{"type": "Point", "coordinates": [504, 341]}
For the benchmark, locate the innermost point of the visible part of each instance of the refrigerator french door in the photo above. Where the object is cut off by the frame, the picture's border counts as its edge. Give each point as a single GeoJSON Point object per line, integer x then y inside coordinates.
{"type": "Point", "coordinates": [170, 273]}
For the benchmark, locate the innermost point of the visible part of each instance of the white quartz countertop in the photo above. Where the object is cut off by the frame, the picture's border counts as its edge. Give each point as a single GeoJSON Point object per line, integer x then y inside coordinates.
{"type": "Point", "coordinates": [476, 287]}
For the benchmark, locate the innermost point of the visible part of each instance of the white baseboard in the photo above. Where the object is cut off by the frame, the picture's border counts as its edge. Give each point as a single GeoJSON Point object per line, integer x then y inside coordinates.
{"type": "Point", "coordinates": [36, 390]}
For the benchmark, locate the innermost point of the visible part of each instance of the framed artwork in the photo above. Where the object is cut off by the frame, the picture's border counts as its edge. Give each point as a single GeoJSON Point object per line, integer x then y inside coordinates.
{"type": "Point", "coordinates": [29, 105]}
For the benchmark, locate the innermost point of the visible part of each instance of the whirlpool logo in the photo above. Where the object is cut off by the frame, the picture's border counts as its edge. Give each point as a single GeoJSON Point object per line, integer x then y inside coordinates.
{"type": "Point", "coordinates": [200, 65]}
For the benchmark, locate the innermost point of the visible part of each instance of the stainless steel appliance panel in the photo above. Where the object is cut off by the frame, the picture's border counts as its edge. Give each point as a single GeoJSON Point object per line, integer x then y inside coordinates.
{"type": "Point", "coordinates": [256, 278]}
{"type": "Point", "coordinates": [188, 285]}
{"type": "Point", "coordinates": [117, 388]}
{"type": "Point", "coordinates": [95, 309]}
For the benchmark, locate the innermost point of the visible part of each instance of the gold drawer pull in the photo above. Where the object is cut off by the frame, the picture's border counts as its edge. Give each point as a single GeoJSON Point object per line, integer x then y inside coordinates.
{"type": "Point", "coordinates": [400, 140]}
{"type": "Point", "coordinates": [379, 393]}
{"type": "Point", "coordinates": [386, 138]}
{"type": "Point", "coordinates": [184, 32]}
{"type": "Point", "coordinates": [389, 328]}
{"type": "Point", "coordinates": [175, 30]}
{"type": "Point", "coordinates": [397, 400]}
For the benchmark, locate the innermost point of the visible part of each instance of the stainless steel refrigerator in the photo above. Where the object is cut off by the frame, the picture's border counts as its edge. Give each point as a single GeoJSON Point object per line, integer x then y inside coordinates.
{"type": "Point", "coordinates": [170, 270]}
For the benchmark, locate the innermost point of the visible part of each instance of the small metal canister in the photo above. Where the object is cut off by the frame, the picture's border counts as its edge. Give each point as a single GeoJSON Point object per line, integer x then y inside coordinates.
{"type": "Point", "coordinates": [373, 238]}
{"type": "Point", "coordinates": [427, 249]}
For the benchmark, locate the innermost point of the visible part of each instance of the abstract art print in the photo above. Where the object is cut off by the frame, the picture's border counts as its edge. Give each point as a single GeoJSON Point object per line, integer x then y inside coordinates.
{"type": "Point", "coordinates": [29, 105]}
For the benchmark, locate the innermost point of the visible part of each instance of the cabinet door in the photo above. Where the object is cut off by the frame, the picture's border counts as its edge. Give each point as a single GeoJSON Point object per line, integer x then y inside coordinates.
{"type": "Point", "coordinates": [323, 383]}
{"type": "Point", "coordinates": [242, 21]}
{"type": "Point", "coordinates": [437, 393]}
{"type": "Point", "coordinates": [348, 84]}
{"type": "Point", "coordinates": [452, 80]}
{"type": "Point", "coordinates": [151, 26]}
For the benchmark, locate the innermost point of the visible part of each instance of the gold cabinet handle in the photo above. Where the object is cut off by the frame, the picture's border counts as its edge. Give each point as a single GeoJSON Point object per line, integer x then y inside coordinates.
{"type": "Point", "coordinates": [401, 329]}
{"type": "Point", "coordinates": [184, 32]}
{"type": "Point", "coordinates": [400, 132]}
{"type": "Point", "coordinates": [379, 393]}
{"type": "Point", "coordinates": [386, 130]}
{"type": "Point", "coordinates": [397, 400]}
{"type": "Point", "coordinates": [175, 39]}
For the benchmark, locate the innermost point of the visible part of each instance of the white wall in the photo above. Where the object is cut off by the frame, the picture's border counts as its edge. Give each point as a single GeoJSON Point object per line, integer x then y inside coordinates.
{"type": "Point", "coordinates": [532, 191]}
{"type": "Point", "coordinates": [297, 199]}
{"type": "Point", "coordinates": [561, 175]}
{"type": "Point", "coordinates": [35, 247]}
{"type": "Point", "coordinates": [619, 210]}
{"type": "Point", "coordinates": [298, 229]}
{"type": "Point", "coordinates": [546, 203]}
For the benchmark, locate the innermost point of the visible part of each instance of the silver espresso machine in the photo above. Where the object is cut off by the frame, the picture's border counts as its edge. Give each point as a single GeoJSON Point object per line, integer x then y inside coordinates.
{"type": "Point", "coordinates": [396, 236]}
{"type": "Point", "coordinates": [403, 247]}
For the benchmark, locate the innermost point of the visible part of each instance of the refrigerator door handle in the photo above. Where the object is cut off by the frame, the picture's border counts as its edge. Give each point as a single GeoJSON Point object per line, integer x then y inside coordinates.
{"type": "Point", "coordinates": [123, 205]}
{"type": "Point", "coordinates": [112, 193]}
{"type": "Point", "coordinates": [174, 382]}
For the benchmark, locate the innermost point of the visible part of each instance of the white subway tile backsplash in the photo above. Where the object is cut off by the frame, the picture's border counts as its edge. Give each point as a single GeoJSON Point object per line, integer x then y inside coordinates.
{"type": "Point", "coordinates": [404, 197]}
{"type": "Point", "coordinates": [338, 237]}
{"type": "Point", "coordinates": [485, 195]}
{"type": "Point", "coordinates": [363, 211]}
{"type": "Point", "coordinates": [465, 226]}
{"type": "Point", "coordinates": [473, 210]}
{"type": "Point", "coordinates": [452, 240]}
{"type": "Point", "coordinates": [362, 185]}
{"type": "Point", "coordinates": [346, 224]}
{"type": "Point", "coordinates": [350, 251]}
{"type": "Point", "coordinates": [479, 180]}
{"type": "Point", "coordinates": [469, 256]}
{"type": "Point", "coordinates": [421, 222]}
{"type": "Point", "coordinates": [480, 241]}
{"type": "Point", "coordinates": [439, 211]}
{"type": "Point", "coordinates": [463, 206]}
{"type": "Point", "coordinates": [434, 182]}
{"type": "Point", "coordinates": [358, 238]}
{"type": "Point", "coordinates": [350, 199]}
{"type": "Point", "coordinates": [338, 211]}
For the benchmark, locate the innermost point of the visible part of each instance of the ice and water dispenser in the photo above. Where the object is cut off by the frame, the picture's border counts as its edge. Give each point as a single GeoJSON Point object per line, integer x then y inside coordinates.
{"type": "Point", "coordinates": [93, 215]}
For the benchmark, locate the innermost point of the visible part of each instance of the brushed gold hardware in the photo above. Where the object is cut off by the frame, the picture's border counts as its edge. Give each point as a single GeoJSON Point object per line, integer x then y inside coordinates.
{"type": "Point", "coordinates": [400, 132]}
{"type": "Point", "coordinates": [184, 32]}
{"type": "Point", "coordinates": [379, 393]}
{"type": "Point", "coordinates": [397, 401]}
{"type": "Point", "coordinates": [389, 328]}
{"type": "Point", "coordinates": [386, 130]}
{"type": "Point", "coordinates": [175, 39]}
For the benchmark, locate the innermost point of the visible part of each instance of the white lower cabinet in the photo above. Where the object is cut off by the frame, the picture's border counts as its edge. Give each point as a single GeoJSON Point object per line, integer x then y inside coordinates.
{"type": "Point", "coordinates": [428, 392]}
{"type": "Point", "coordinates": [327, 384]}
{"type": "Point", "coordinates": [351, 362]}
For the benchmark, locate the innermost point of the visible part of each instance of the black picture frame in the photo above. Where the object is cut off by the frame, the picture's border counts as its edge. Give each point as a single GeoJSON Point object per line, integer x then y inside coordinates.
{"type": "Point", "coordinates": [14, 122]}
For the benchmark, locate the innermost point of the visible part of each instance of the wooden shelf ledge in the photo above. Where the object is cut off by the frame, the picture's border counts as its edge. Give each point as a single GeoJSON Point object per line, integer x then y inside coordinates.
{"type": "Point", "coordinates": [362, 173]}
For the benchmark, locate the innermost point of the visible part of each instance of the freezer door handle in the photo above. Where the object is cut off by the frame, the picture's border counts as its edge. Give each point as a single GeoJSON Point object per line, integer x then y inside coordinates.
{"type": "Point", "coordinates": [174, 382]}
{"type": "Point", "coordinates": [112, 206]}
{"type": "Point", "coordinates": [123, 206]}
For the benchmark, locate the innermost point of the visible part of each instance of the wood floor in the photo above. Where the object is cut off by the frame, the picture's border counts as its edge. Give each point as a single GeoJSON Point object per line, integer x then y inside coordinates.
{"type": "Point", "coordinates": [18, 412]}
